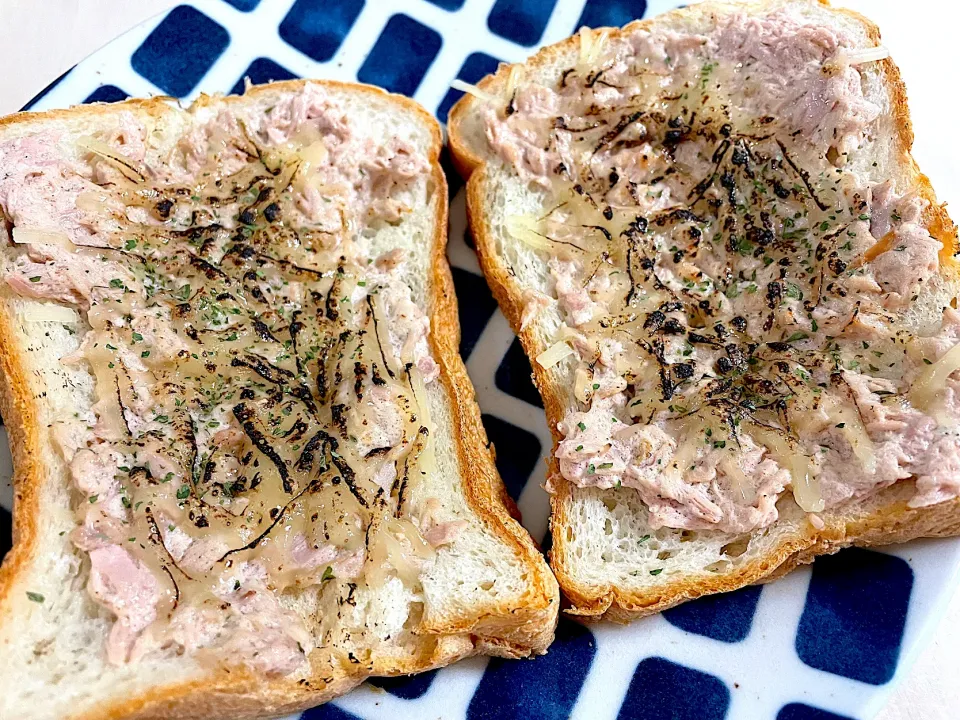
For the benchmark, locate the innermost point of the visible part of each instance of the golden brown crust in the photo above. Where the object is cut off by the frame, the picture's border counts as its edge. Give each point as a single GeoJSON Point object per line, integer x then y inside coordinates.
{"type": "Point", "coordinates": [893, 523]}
{"type": "Point", "coordinates": [241, 695]}
{"type": "Point", "coordinates": [238, 693]}
{"type": "Point", "coordinates": [23, 433]}
{"type": "Point", "coordinates": [485, 490]}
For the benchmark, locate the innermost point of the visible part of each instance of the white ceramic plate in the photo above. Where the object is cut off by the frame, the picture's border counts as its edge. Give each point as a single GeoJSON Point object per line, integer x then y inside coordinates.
{"type": "Point", "coordinates": [820, 644]}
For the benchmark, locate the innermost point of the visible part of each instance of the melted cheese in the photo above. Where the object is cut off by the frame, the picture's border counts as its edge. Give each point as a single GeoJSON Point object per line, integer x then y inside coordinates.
{"type": "Point", "coordinates": [529, 231]}
{"type": "Point", "coordinates": [932, 380]}
{"type": "Point", "coordinates": [805, 483]}
{"type": "Point", "coordinates": [846, 418]}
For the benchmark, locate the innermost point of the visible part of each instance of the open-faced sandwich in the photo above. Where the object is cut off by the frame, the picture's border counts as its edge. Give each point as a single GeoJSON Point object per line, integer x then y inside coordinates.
{"type": "Point", "coordinates": [737, 289]}
{"type": "Point", "coordinates": [250, 470]}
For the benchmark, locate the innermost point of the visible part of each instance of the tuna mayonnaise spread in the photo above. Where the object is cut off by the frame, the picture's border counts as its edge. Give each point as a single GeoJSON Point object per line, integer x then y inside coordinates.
{"type": "Point", "coordinates": [259, 373]}
{"type": "Point", "coordinates": [731, 288]}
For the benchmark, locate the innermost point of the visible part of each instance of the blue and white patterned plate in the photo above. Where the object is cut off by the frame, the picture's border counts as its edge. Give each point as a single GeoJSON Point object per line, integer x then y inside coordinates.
{"type": "Point", "coordinates": [822, 644]}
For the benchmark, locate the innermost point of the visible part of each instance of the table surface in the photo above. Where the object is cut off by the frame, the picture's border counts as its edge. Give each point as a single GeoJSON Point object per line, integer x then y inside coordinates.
{"type": "Point", "coordinates": [50, 36]}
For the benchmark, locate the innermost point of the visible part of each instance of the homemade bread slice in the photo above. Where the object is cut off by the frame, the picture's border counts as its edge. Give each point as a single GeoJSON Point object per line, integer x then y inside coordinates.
{"type": "Point", "coordinates": [609, 559]}
{"type": "Point", "coordinates": [487, 591]}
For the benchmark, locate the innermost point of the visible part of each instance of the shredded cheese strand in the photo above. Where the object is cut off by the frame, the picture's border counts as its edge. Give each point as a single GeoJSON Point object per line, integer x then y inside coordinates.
{"type": "Point", "coordinates": [867, 55]}
{"type": "Point", "coordinates": [554, 354]}
{"type": "Point", "coordinates": [472, 90]}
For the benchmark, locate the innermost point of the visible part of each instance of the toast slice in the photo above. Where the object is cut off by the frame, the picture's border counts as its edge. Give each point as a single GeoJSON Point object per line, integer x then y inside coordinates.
{"type": "Point", "coordinates": [250, 469]}
{"type": "Point", "coordinates": [736, 289]}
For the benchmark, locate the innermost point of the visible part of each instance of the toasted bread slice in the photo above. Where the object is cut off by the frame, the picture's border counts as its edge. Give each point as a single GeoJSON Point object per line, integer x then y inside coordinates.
{"type": "Point", "coordinates": [467, 580]}
{"type": "Point", "coordinates": [566, 149]}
